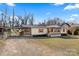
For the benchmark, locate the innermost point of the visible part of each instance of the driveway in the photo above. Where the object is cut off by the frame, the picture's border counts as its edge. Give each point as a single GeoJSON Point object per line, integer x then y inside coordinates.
{"type": "Point", "coordinates": [26, 47]}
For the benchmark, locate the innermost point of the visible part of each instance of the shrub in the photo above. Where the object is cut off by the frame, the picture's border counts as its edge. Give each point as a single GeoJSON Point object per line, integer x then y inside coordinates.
{"type": "Point", "coordinates": [76, 32]}
{"type": "Point", "coordinates": [69, 32]}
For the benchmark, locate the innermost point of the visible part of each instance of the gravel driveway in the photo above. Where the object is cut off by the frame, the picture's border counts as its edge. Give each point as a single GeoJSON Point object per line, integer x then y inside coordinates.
{"type": "Point", "coordinates": [26, 47]}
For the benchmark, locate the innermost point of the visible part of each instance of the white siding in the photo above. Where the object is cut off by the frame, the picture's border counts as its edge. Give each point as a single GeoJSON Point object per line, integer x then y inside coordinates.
{"type": "Point", "coordinates": [35, 31]}
{"type": "Point", "coordinates": [65, 30]}
{"type": "Point", "coordinates": [65, 27]}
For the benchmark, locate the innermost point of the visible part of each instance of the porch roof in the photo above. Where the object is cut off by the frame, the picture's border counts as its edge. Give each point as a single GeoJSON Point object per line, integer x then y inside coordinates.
{"type": "Point", "coordinates": [28, 26]}
{"type": "Point", "coordinates": [34, 26]}
{"type": "Point", "coordinates": [54, 26]}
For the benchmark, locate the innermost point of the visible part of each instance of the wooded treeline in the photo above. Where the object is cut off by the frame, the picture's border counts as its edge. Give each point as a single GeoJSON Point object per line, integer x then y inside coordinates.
{"type": "Point", "coordinates": [14, 20]}
{"type": "Point", "coordinates": [27, 19]}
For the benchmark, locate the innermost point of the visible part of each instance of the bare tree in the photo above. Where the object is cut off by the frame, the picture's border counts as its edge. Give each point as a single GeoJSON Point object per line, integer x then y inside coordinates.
{"type": "Point", "coordinates": [42, 23]}
{"type": "Point", "coordinates": [55, 21]}
{"type": "Point", "coordinates": [26, 17]}
{"type": "Point", "coordinates": [31, 20]}
{"type": "Point", "coordinates": [9, 22]}
{"type": "Point", "coordinates": [2, 17]}
{"type": "Point", "coordinates": [72, 29]}
{"type": "Point", "coordinates": [17, 23]}
{"type": "Point", "coordinates": [22, 20]}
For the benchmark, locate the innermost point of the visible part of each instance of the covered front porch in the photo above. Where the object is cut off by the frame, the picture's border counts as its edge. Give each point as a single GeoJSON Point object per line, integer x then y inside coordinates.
{"type": "Point", "coordinates": [54, 31]}
{"type": "Point", "coordinates": [21, 31]}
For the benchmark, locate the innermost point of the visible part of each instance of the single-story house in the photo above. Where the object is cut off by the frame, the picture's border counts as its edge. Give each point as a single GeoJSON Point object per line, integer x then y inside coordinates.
{"type": "Point", "coordinates": [52, 30]}
{"type": "Point", "coordinates": [30, 30]}
{"type": "Point", "coordinates": [56, 30]}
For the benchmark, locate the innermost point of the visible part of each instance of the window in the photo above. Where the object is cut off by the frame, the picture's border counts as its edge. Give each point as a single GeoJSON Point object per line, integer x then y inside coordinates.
{"type": "Point", "coordinates": [50, 29]}
{"type": "Point", "coordinates": [40, 30]}
{"type": "Point", "coordinates": [27, 30]}
{"type": "Point", "coordinates": [63, 30]}
{"type": "Point", "coordinates": [57, 30]}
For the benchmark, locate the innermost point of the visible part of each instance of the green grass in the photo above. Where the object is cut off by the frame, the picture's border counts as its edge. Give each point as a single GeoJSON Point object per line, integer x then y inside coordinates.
{"type": "Point", "coordinates": [66, 46]}
{"type": "Point", "coordinates": [2, 43]}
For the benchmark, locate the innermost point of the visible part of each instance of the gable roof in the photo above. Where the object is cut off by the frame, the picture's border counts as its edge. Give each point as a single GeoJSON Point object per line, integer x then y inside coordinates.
{"type": "Point", "coordinates": [66, 24]}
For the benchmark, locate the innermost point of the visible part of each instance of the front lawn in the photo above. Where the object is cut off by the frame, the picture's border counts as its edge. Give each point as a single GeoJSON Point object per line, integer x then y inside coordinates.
{"type": "Point", "coordinates": [66, 46]}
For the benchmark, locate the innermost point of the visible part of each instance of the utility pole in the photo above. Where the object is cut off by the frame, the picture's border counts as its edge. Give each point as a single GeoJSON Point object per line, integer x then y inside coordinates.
{"type": "Point", "coordinates": [5, 17]}
{"type": "Point", "coordinates": [13, 18]}
{"type": "Point", "coordinates": [2, 19]}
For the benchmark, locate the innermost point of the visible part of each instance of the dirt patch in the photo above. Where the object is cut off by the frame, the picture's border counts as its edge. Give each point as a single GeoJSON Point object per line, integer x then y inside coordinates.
{"type": "Point", "coordinates": [26, 47]}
